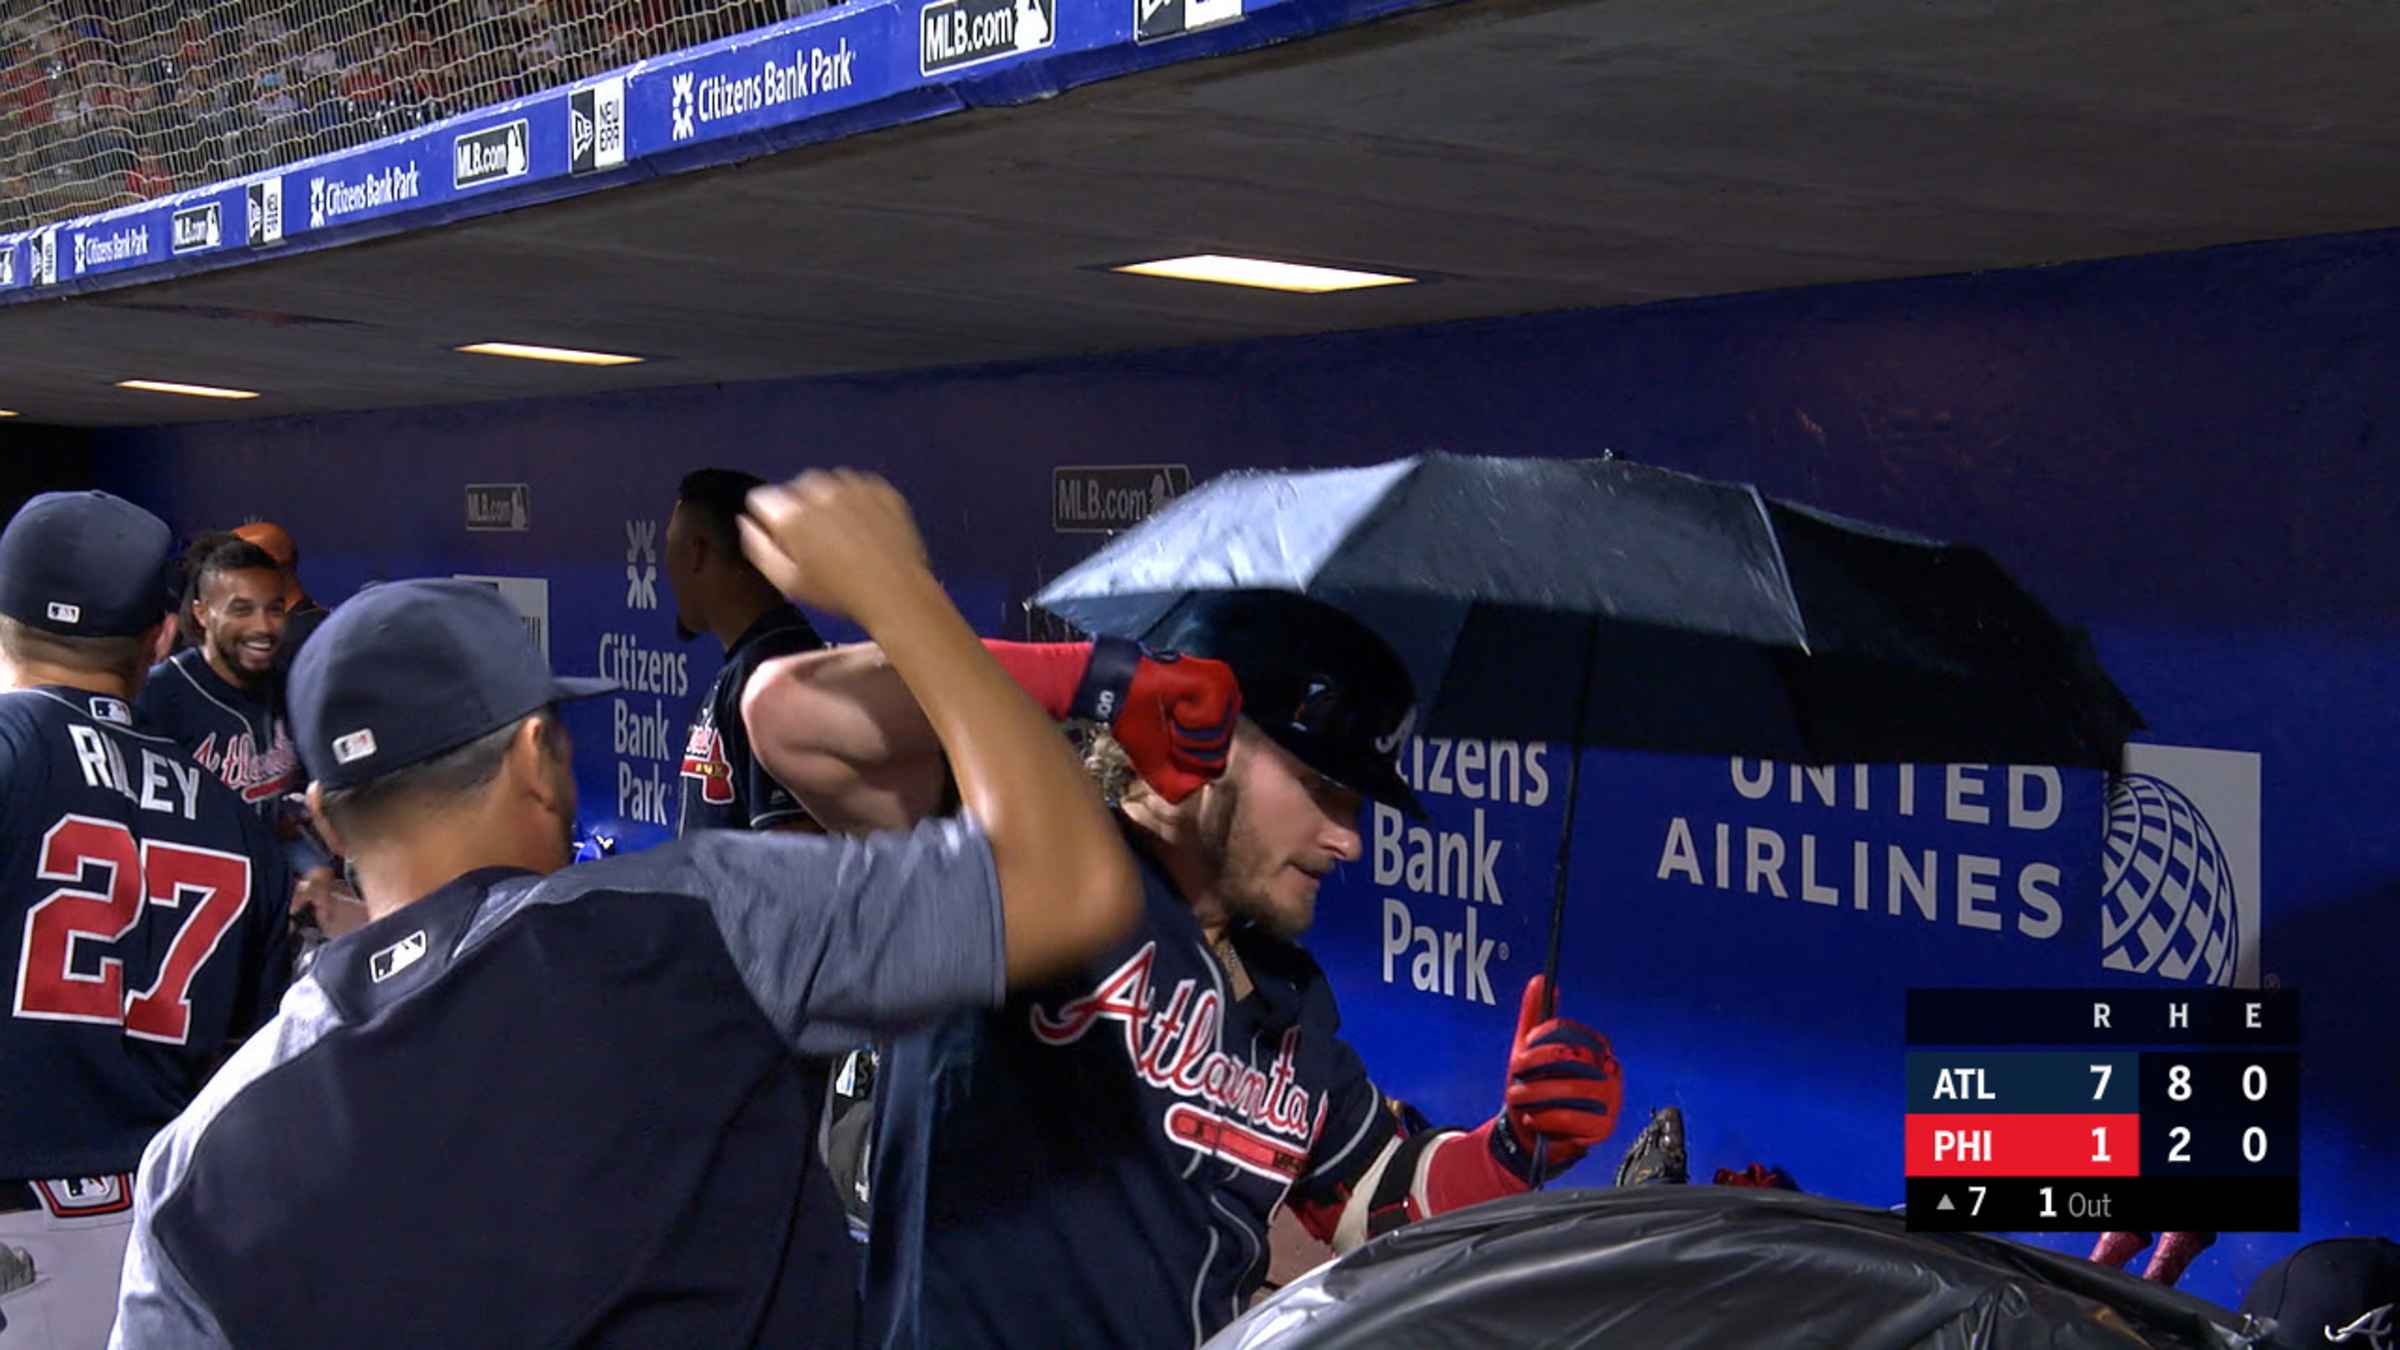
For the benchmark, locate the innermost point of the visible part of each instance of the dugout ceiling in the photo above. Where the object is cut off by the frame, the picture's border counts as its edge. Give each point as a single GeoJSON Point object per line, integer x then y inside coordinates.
{"type": "Point", "coordinates": [1526, 157]}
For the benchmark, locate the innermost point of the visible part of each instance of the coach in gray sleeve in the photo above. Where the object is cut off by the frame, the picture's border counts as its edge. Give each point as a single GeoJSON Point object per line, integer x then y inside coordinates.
{"type": "Point", "coordinates": [530, 1106]}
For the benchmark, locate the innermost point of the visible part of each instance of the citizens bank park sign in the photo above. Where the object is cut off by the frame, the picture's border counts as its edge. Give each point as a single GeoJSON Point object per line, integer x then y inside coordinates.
{"type": "Point", "coordinates": [2151, 872]}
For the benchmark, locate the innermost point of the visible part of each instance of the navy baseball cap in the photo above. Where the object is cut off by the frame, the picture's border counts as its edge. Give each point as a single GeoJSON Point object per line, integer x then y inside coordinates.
{"type": "Point", "coordinates": [408, 670]}
{"type": "Point", "coordinates": [86, 564]}
{"type": "Point", "coordinates": [1317, 681]}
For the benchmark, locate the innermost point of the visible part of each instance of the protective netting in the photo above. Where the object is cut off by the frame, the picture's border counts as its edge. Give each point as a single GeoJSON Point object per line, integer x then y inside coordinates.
{"type": "Point", "coordinates": [108, 102]}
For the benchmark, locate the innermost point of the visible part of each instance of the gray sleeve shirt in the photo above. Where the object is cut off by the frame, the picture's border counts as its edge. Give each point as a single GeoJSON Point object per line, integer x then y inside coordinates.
{"type": "Point", "coordinates": [835, 940]}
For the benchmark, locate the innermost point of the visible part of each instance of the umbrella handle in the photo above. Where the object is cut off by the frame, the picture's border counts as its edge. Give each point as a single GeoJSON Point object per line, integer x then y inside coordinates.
{"type": "Point", "coordinates": [1566, 845]}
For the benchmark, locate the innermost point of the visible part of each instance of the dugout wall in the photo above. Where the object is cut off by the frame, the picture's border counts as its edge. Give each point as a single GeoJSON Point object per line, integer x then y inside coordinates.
{"type": "Point", "coordinates": [2191, 454]}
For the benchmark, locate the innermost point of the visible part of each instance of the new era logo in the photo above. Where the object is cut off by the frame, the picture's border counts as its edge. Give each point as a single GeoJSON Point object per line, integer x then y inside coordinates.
{"type": "Point", "coordinates": [398, 957]}
{"type": "Point", "coordinates": [596, 127]}
{"type": "Point", "coordinates": [265, 202]}
{"type": "Point", "coordinates": [65, 613]}
{"type": "Point", "coordinates": [354, 747]}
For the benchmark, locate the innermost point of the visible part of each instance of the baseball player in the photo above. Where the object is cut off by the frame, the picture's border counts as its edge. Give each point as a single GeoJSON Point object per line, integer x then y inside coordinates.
{"type": "Point", "coordinates": [1097, 1162]}
{"type": "Point", "coordinates": [218, 697]}
{"type": "Point", "coordinates": [533, 1104]}
{"type": "Point", "coordinates": [140, 909]}
{"type": "Point", "coordinates": [221, 699]}
{"type": "Point", "coordinates": [718, 592]}
{"type": "Point", "coordinates": [301, 612]}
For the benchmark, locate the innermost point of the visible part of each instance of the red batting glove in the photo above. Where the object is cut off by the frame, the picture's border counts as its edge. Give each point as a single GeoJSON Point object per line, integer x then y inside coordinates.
{"type": "Point", "coordinates": [1564, 1088]}
{"type": "Point", "coordinates": [1175, 720]}
{"type": "Point", "coordinates": [1173, 714]}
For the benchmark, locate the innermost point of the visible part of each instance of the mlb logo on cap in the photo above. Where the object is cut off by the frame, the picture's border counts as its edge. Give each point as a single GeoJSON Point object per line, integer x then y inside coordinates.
{"type": "Point", "coordinates": [66, 613]}
{"type": "Point", "coordinates": [410, 670]}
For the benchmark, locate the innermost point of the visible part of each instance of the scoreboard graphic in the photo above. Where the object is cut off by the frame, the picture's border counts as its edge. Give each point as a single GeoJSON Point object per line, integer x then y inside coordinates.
{"type": "Point", "coordinates": [2151, 1110]}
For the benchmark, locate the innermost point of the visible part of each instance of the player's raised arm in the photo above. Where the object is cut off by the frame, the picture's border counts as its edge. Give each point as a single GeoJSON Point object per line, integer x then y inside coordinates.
{"type": "Point", "coordinates": [845, 542]}
{"type": "Point", "coordinates": [844, 732]}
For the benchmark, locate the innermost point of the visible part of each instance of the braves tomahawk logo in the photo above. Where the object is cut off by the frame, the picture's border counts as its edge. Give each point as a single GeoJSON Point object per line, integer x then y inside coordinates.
{"type": "Point", "coordinates": [704, 759]}
{"type": "Point", "coordinates": [259, 775]}
{"type": "Point", "coordinates": [1261, 1121]}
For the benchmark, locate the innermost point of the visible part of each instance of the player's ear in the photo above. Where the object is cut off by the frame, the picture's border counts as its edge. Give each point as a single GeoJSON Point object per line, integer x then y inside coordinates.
{"type": "Point", "coordinates": [316, 812]}
{"type": "Point", "coordinates": [534, 755]}
{"type": "Point", "coordinates": [162, 639]}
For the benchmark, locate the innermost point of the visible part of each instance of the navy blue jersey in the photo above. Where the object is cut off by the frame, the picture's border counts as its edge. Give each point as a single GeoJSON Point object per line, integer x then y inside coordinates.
{"type": "Point", "coordinates": [570, 1110]}
{"type": "Point", "coordinates": [723, 786]}
{"type": "Point", "coordinates": [142, 909]}
{"type": "Point", "coordinates": [1095, 1165]}
{"type": "Point", "coordinates": [235, 734]}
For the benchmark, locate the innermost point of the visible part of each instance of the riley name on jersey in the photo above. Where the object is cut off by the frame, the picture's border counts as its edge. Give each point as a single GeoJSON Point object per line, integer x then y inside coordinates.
{"type": "Point", "coordinates": [164, 785]}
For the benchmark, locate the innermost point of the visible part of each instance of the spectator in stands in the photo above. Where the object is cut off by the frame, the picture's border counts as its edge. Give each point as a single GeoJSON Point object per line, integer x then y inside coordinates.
{"type": "Point", "coordinates": [275, 101]}
{"type": "Point", "coordinates": [320, 62]}
{"type": "Point", "coordinates": [366, 86]}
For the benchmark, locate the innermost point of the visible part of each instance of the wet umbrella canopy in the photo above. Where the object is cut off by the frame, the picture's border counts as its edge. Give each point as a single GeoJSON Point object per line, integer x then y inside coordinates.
{"type": "Point", "coordinates": [1717, 620]}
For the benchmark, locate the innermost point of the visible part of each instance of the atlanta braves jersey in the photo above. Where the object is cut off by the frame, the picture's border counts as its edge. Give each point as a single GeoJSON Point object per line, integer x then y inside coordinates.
{"type": "Point", "coordinates": [562, 1110]}
{"type": "Point", "coordinates": [1096, 1164]}
{"type": "Point", "coordinates": [723, 786]}
{"type": "Point", "coordinates": [235, 734]}
{"type": "Point", "coordinates": [142, 909]}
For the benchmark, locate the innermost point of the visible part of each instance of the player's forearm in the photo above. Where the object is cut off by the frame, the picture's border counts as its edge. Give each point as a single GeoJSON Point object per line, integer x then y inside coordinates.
{"type": "Point", "coordinates": [1067, 883]}
{"type": "Point", "coordinates": [1411, 1178]}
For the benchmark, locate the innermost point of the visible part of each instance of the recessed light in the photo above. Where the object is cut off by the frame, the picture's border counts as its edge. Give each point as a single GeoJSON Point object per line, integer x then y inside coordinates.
{"type": "Point", "coordinates": [8, 412]}
{"type": "Point", "coordinates": [564, 355]}
{"type": "Point", "coordinates": [1266, 274]}
{"type": "Point", "coordinates": [194, 390]}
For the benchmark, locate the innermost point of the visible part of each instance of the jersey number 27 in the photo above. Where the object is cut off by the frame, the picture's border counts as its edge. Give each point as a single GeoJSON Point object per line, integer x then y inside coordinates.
{"type": "Point", "coordinates": [212, 888]}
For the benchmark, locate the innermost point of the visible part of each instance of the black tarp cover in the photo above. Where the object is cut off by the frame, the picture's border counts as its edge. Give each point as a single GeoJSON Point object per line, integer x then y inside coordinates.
{"type": "Point", "coordinates": [1668, 1267]}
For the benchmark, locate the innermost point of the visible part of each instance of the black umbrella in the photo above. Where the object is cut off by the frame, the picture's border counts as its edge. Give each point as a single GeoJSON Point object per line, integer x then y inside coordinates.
{"type": "Point", "coordinates": [1667, 1267]}
{"type": "Point", "coordinates": [1722, 621]}
{"type": "Point", "coordinates": [1607, 604]}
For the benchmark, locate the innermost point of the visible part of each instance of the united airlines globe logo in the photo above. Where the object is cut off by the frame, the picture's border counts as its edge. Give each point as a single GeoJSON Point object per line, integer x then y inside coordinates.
{"type": "Point", "coordinates": [2167, 895]}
